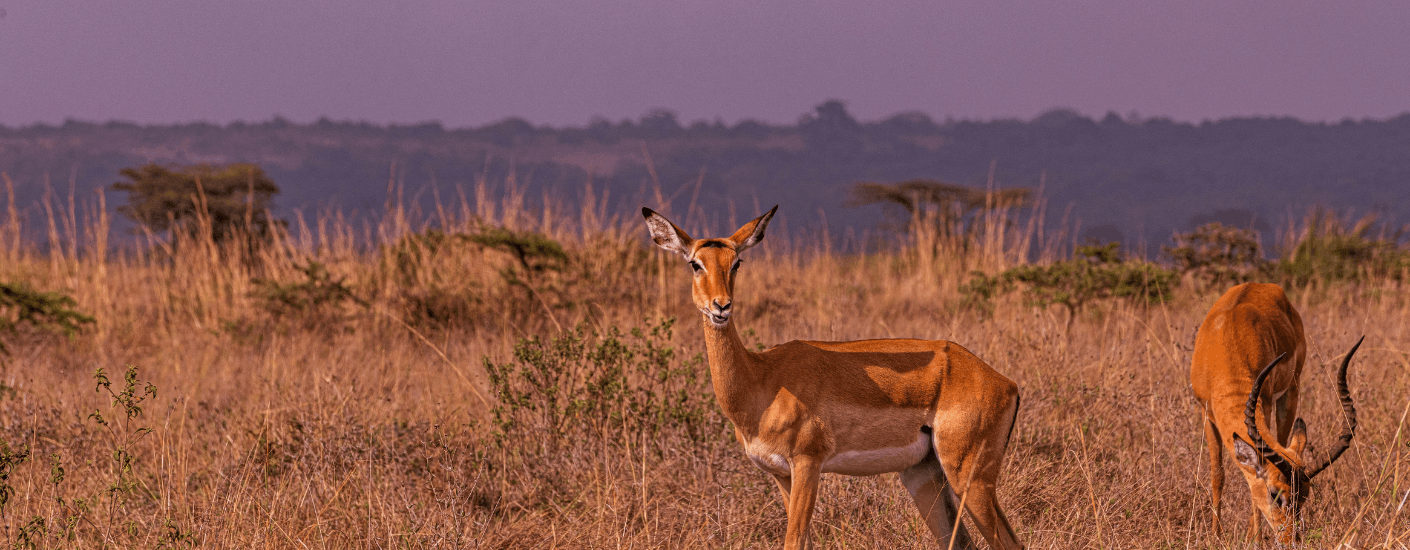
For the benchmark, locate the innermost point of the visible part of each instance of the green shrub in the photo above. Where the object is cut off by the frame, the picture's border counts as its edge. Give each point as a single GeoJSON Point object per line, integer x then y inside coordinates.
{"type": "Point", "coordinates": [584, 385]}
{"type": "Point", "coordinates": [535, 252]}
{"type": "Point", "coordinates": [529, 276]}
{"type": "Point", "coordinates": [318, 299]}
{"type": "Point", "coordinates": [1331, 248]}
{"type": "Point", "coordinates": [1217, 255]}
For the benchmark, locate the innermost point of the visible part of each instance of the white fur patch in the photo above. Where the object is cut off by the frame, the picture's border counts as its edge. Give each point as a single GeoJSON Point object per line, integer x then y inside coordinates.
{"type": "Point", "coordinates": [767, 460]}
{"type": "Point", "coordinates": [878, 461]}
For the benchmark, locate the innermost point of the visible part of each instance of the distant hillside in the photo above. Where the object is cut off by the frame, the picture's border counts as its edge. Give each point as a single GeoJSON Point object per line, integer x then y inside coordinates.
{"type": "Point", "coordinates": [1124, 178]}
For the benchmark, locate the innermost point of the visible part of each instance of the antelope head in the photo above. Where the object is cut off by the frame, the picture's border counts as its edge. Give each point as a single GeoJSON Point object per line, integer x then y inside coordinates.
{"type": "Point", "coordinates": [1281, 473]}
{"type": "Point", "coordinates": [713, 261]}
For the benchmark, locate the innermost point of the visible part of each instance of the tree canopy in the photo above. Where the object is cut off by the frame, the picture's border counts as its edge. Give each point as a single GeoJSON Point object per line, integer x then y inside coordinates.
{"type": "Point", "coordinates": [228, 198]}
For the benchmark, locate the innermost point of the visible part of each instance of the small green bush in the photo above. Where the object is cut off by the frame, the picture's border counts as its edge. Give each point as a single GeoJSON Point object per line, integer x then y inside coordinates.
{"type": "Point", "coordinates": [535, 252]}
{"type": "Point", "coordinates": [318, 298]}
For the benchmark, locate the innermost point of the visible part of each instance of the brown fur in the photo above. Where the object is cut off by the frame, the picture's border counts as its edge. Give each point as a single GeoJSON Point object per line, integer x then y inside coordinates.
{"type": "Point", "coordinates": [810, 402]}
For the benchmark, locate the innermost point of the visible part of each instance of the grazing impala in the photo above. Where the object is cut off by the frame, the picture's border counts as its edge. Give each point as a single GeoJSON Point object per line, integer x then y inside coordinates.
{"type": "Point", "coordinates": [1253, 325]}
{"type": "Point", "coordinates": [928, 409]}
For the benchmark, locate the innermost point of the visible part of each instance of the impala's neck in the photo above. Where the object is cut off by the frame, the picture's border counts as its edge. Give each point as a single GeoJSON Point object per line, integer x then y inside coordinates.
{"type": "Point", "coordinates": [734, 370]}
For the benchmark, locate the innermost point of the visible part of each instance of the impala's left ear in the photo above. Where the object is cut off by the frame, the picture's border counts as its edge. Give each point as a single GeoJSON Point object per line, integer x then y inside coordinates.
{"type": "Point", "coordinates": [1297, 440]}
{"type": "Point", "coordinates": [752, 232]}
{"type": "Point", "coordinates": [1244, 454]}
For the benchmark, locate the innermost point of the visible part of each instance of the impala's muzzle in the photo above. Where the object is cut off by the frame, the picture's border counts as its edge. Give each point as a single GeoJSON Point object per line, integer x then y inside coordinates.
{"type": "Point", "coordinates": [718, 313]}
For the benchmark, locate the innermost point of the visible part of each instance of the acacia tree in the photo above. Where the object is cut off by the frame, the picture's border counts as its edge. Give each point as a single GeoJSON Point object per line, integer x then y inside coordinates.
{"type": "Point", "coordinates": [235, 198]}
{"type": "Point", "coordinates": [949, 206]}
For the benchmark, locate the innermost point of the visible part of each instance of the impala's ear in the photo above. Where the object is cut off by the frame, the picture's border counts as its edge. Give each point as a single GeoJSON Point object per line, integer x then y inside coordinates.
{"type": "Point", "coordinates": [666, 234]}
{"type": "Point", "coordinates": [1297, 441]}
{"type": "Point", "coordinates": [752, 232]}
{"type": "Point", "coordinates": [1244, 453]}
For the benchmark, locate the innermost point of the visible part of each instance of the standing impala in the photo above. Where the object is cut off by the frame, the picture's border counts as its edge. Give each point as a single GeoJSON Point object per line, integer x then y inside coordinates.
{"type": "Point", "coordinates": [1253, 325]}
{"type": "Point", "coordinates": [928, 409]}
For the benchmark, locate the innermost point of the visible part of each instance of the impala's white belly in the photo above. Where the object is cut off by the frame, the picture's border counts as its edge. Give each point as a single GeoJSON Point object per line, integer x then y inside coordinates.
{"type": "Point", "coordinates": [878, 461]}
{"type": "Point", "coordinates": [853, 463]}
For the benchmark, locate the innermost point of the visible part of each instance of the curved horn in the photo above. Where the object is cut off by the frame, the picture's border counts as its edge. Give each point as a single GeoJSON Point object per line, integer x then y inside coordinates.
{"type": "Point", "coordinates": [1344, 442]}
{"type": "Point", "coordinates": [1250, 411]}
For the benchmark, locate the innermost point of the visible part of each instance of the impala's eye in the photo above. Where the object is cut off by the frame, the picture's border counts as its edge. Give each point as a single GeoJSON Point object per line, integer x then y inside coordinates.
{"type": "Point", "coordinates": [696, 267]}
{"type": "Point", "coordinates": [735, 267]}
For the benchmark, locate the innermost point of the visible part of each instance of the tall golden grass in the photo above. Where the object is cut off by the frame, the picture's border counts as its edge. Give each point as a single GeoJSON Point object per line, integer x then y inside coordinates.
{"type": "Point", "coordinates": [371, 423]}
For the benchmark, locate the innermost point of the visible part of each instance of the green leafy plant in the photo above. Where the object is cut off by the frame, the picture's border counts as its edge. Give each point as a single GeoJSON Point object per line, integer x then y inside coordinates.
{"type": "Point", "coordinates": [9, 460]}
{"type": "Point", "coordinates": [20, 306]}
{"type": "Point", "coordinates": [29, 535]}
{"type": "Point", "coordinates": [123, 431]}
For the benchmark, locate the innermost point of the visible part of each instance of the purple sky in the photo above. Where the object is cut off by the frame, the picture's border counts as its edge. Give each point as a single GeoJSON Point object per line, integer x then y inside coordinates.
{"type": "Point", "coordinates": [562, 62]}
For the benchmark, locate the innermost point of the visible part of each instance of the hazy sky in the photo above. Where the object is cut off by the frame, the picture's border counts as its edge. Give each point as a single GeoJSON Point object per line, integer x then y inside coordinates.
{"type": "Point", "coordinates": [563, 62]}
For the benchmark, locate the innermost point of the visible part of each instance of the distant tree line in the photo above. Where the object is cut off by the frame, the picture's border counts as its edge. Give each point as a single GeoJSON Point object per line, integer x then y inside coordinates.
{"type": "Point", "coordinates": [1126, 178]}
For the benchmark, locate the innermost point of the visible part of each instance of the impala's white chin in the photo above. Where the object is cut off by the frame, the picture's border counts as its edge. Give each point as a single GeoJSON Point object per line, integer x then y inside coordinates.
{"type": "Point", "coordinates": [718, 320]}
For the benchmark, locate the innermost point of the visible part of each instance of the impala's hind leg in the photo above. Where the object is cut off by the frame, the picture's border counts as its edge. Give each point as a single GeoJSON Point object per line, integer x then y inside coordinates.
{"type": "Point", "coordinates": [936, 501]}
{"type": "Point", "coordinates": [971, 448]}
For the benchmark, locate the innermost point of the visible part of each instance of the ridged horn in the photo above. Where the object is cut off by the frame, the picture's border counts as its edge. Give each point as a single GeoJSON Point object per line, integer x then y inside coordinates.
{"type": "Point", "coordinates": [1344, 442]}
{"type": "Point", "coordinates": [1250, 411]}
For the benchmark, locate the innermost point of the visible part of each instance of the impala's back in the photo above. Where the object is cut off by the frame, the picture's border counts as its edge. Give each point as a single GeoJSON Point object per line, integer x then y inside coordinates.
{"type": "Point", "coordinates": [1246, 329]}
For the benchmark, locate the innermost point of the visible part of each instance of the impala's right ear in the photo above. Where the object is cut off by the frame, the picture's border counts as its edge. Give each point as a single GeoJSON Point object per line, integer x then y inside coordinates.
{"type": "Point", "coordinates": [666, 234]}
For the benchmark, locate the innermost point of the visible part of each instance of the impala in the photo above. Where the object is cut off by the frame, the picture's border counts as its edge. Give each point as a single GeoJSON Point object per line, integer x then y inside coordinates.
{"type": "Point", "coordinates": [930, 410]}
{"type": "Point", "coordinates": [1253, 325]}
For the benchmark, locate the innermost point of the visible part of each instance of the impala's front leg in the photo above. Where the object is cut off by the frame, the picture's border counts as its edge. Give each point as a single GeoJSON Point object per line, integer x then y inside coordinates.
{"type": "Point", "coordinates": [785, 486]}
{"type": "Point", "coordinates": [807, 472]}
{"type": "Point", "coordinates": [1216, 471]}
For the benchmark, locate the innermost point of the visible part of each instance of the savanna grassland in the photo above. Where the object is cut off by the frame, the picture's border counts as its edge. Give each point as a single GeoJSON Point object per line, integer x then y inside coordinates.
{"type": "Point", "coordinates": [488, 375]}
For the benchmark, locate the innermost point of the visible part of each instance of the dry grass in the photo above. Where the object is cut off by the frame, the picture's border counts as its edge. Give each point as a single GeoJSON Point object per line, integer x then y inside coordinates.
{"type": "Point", "coordinates": [351, 426]}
